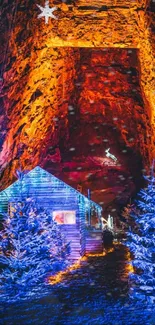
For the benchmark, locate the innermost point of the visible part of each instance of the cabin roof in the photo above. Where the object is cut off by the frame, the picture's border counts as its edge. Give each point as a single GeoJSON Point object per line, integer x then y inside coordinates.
{"type": "Point", "coordinates": [41, 172]}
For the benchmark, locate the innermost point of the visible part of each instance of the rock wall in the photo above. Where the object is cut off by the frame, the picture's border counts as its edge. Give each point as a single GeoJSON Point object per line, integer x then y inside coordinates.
{"type": "Point", "coordinates": [109, 92]}
{"type": "Point", "coordinates": [54, 87]}
{"type": "Point", "coordinates": [37, 82]}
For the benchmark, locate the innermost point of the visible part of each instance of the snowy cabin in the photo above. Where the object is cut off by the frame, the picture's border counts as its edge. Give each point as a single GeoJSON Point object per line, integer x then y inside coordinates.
{"type": "Point", "coordinates": [78, 217]}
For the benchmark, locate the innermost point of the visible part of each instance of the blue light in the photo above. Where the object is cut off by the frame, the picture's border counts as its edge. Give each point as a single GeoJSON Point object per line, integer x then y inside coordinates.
{"type": "Point", "coordinates": [31, 247]}
{"type": "Point", "coordinates": [141, 241]}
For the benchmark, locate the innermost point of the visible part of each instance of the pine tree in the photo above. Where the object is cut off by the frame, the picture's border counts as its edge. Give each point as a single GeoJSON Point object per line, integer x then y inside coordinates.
{"type": "Point", "coordinates": [31, 247]}
{"type": "Point", "coordinates": [141, 241]}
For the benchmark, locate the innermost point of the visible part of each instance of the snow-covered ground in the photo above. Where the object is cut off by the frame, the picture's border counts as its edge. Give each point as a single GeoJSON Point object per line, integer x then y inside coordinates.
{"type": "Point", "coordinates": [98, 293]}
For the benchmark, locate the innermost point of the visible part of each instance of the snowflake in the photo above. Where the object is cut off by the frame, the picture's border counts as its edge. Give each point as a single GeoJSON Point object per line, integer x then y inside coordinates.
{"type": "Point", "coordinates": [46, 12]}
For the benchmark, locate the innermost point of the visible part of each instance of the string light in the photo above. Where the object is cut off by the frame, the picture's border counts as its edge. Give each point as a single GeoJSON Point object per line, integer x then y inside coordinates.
{"type": "Point", "coordinates": [59, 277]}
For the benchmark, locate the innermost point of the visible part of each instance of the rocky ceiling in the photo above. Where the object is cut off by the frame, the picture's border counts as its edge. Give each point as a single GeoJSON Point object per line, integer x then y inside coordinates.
{"type": "Point", "coordinates": [112, 3]}
{"type": "Point", "coordinates": [76, 87]}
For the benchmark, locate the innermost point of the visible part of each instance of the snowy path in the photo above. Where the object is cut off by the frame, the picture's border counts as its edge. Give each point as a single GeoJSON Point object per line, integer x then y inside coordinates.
{"type": "Point", "coordinates": [95, 294]}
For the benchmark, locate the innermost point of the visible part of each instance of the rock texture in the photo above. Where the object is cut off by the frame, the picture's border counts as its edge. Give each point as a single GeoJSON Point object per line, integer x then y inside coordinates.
{"type": "Point", "coordinates": [73, 88]}
{"type": "Point", "coordinates": [106, 110]}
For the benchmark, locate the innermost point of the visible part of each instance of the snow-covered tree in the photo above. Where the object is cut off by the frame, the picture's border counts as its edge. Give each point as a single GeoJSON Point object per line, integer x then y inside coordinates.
{"type": "Point", "coordinates": [31, 246]}
{"type": "Point", "coordinates": [141, 241]}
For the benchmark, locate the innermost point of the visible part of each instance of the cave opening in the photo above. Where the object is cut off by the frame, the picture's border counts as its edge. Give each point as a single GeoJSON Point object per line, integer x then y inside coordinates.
{"type": "Point", "coordinates": [106, 110]}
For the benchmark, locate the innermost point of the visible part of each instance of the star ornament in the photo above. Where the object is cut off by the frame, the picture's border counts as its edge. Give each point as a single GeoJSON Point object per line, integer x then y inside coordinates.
{"type": "Point", "coordinates": [46, 12]}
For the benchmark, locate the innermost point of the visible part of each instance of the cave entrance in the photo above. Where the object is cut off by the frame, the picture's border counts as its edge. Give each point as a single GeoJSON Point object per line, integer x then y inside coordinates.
{"type": "Point", "coordinates": [106, 110]}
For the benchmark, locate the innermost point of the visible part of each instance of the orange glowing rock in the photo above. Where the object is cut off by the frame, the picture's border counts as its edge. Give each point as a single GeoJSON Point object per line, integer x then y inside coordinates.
{"type": "Point", "coordinates": [40, 71]}
{"type": "Point", "coordinates": [64, 7]}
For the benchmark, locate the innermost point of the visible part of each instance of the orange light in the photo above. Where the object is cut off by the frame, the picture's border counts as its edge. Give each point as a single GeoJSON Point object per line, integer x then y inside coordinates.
{"type": "Point", "coordinates": [129, 268]}
{"type": "Point", "coordinates": [110, 250]}
{"type": "Point", "coordinates": [60, 276]}
{"type": "Point", "coordinates": [39, 82]}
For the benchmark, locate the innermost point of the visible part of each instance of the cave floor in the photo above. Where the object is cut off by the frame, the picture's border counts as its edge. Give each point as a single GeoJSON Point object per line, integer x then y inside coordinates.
{"type": "Point", "coordinates": [97, 293]}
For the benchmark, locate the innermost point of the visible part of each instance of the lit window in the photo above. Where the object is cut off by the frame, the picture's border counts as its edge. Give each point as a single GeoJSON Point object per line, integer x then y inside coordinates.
{"type": "Point", "coordinates": [64, 217]}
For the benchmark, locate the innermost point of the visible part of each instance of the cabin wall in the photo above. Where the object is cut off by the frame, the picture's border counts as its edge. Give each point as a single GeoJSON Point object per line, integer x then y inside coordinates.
{"type": "Point", "coordinates": [54, 195]}
{"type": "Point", "coordinates": [51, 194]}
{"type": "Point", "coordinates": [73, 236]}
{"type": "Point", "coordinates": [94, 242]}
{"type": "Point", "coordinates": [47, 190]}
{"type": "Point", "coordinates": [82, 225]}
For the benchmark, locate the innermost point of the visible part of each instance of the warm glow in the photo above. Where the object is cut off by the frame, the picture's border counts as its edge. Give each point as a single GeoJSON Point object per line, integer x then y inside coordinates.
{"type": "Point", "coordinates": [62, 274]}
{"type": "Point", "coordinates": [129, 268]}
{"type": "Point", "coordinates": [64, 217]}
{"type": "Point", "coordinates": [96, 255]}
{"type": "Point", "coordinates": [40, 80]}
{"type": "Point", "coordinates": [105, 252]}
